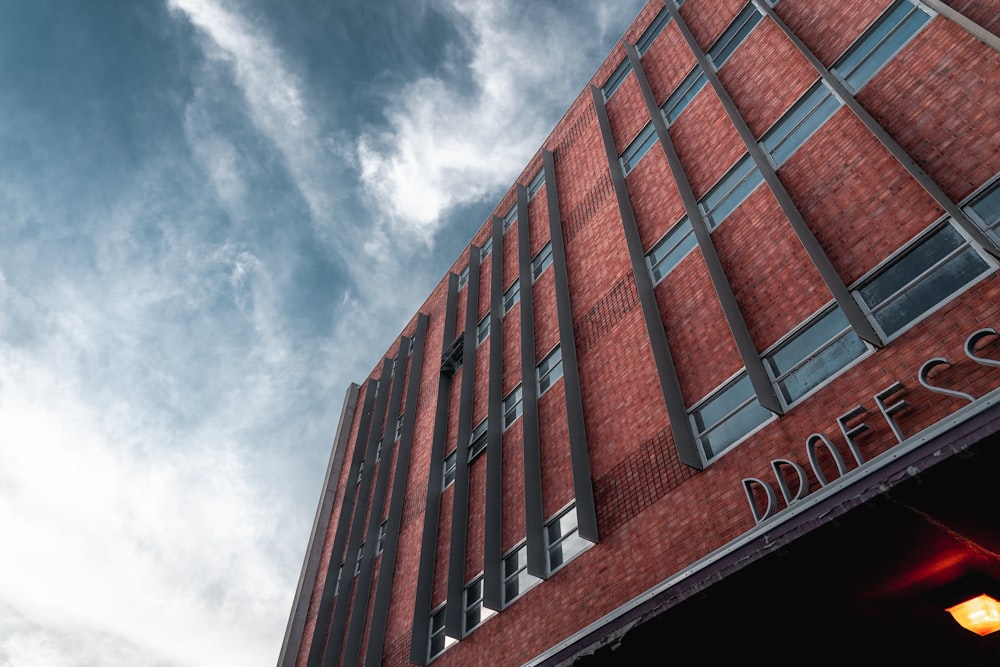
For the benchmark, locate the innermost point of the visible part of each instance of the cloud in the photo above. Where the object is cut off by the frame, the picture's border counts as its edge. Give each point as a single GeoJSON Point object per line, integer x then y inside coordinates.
{"type": "Point", "coordinates": [447, 145]}
{"type": "Point", "coordinates": [275, 102]}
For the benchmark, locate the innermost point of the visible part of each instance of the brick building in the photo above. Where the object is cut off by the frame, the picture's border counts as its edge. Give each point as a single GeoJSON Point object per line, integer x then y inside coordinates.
{"type": "Point", "coordinates": [720, 368]}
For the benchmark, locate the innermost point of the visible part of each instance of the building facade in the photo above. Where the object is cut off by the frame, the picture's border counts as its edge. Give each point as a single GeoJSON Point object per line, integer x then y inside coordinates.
{"type": "Point", "coordinates": [722, 367]}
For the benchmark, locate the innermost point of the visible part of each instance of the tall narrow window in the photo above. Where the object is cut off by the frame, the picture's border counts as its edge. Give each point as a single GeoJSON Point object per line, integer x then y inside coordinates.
{"type": "Point", "coordinates": [483, 330]}
{"type": "Point", "coordinates": [927, 274]}
{"type": "Point", "coordinates": [512, 407]}
{"type": "Point", "coordinates": [438, 640]}
{"type": "Point", "coordinates": [477, 440]}
{"type": "Point", "coordinates": [880, 43]}
{"type": "Point", "coordinates": [638, 148]}
{"type": "Point", "coordinates": [541, 261]}
{"type": "Point", "coordinates": [670, 250]}
{"type": "Point", "coordinates": [516, 579]}
{"type": "Point", "coordinates": [727, 415]}
{"type": "Point", "coordinates": [799, 123]}
{"type": "Point", "coordinates": [734, 35]}
{"type": "Point", "coordinates": [616, 78]}
{"type": "Point", "coordinates": [682, 96]}
{"type": "Point", "coordinates": [730, 191]}
{"type": "Point", "coordinates": [511, 296]}
{"type": "Point", "coordinates": [562, 539]}
{"type": "Point", "coordinates": [510, 218]}
{"type": "Point", "coordinates": [486, 248]}
{"type": "Point", "coordinates": [448, 472]}
{"type": "Point", "coordinates": [652, 31]}
{"type": "Point", "coordinates": [549, 370]}
{"type": "Point", "coordinates": [536, 184]}
{"type": "Point", "coordinates": [813, 354]}
{"type": "Point", "coordinates": [475, 612]}
{"type": "Point", "coordinates": [985, 210]}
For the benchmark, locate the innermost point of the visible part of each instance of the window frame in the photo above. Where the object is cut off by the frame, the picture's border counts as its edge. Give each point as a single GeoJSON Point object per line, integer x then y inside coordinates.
{"type": "Point", "coordinates": [438, 614]}
{"type": "Point", "coordinates": [990, 190]}
{"type": "Point", "coordinates": [678, 240]}
{"type": "Point", "coordinates": [802, 330]}
{"type": "Point", "coordinates": [873, 29]}
{"type": "Point", "coordinates": [484, 612]}
{"type": "Point", "coordinates": [520, 573]}
{"type": "Point", "coordinates": [553, 364]}
{"type": "Point", "coordinates": [535, 184]}
{"type": "Point", "coordinates": [478, 439]}
{"type": "Point", "coordinates": [449, 467]}
{"type": "Point", "coordinates": [579, 544]}
{"type": "Point", "coordinates": [516, 407]}
{"type": "Point", "coordinates": [735, 33]}
{"type": "Point", "coordinates": [541, 261]}
{"type": "Point", "coordinates": [483, 330]}
{"type": "Point", "coordinates": [512, 296]}
{"type": "Point", "coordinates": [906, 250]}
{"type": "Point", "coordinates": [615, 79]}
{"type": "Point", "coordinates": [730, 384]}
{"type": "Point", "coordinates": [641, 143]}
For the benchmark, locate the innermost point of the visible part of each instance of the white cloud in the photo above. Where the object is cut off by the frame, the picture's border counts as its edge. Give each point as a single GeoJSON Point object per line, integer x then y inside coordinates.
{"type": "Point", "coordinates": [447, 146]}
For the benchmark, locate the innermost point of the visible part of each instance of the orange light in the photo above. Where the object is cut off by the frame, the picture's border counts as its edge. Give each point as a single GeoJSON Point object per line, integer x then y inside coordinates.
{"type": "Point", "coordinates": [981, 614]}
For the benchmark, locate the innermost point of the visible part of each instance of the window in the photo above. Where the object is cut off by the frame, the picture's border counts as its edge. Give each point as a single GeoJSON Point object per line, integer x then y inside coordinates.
{"type": "Point", "coordinates": [511, 296]}
{"type": "Point", "coordinates": [357, 564]}
{"type": "Point", "coordinates": [734, 35]}
{"type": "Point", "coordinates": [486, 248]}
{"type": "Point", "coordinates": [448, 474]}
{"type": "Point", "coordinates": [686, 91]}
{"type": "Point", "coordinates": [549, 370]}
{"type": "Point", "coordinates": [562, 540]}
{"type": "Point", "coordinates": [799, 123]}
{"type": "Point", "coordinates": [483, 330]}
{"type": "Point", "coordinates": [361, 471]}
{"type": "Point", "coordinates": [510, 218]}
{"type": "Point", "coordinates": [616, 78]}
{"type": "Point", "coordinates": [642, 143]}
{"type": "Point", "coordinates": [340, 575]}
{"type": "Point", "coordinates": [650, 34]}
{"type": "Point", "coordinates": [475, 612]}
{"type": "Point", "coordinates": [880, 43]}
{"type": "Point", "coordinates": [516, 579]}
{"type": "Point", "coordinates": [512, 407]}
{"type": "Point", "coordinates": [463, 278]}
{"type": "Point", "coordinates": [399, 427]}
{"type": "Point", "coordinates": [985, 210]}
{"type": "Point", "coordinates": [536, 184]}
{"type": "Point", "coordinates": [477, 440]}
{"type": "Point", "coordinates": [541, 261]}
{"type": "Point", "coordinates": [724, 417]}
{"type": "Point", "coordinates": [730, 191]}
{"type": "Point", "coordinates": [378, 452]}
{"type": "Point", "coordinates": [382, 530]}
{"type": "Point", "coordinates": [813, 354]}
{"type": "Point", "coordinates": [928, 273]}
{"type": "Point", "coordinates": [439, 641]}
{"type": "Point", "coordinates": [670, 250]}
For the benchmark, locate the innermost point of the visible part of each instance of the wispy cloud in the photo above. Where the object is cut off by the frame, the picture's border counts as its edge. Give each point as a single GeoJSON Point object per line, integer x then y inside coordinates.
{"type": "Point", "coordinates": [449, 145]}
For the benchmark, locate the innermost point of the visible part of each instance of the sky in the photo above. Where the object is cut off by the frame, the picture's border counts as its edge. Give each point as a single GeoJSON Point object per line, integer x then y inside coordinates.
{"type": "Point", "coordinates": [214, 216]}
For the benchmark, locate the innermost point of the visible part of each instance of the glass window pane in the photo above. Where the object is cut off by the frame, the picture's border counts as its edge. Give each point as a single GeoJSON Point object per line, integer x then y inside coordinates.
{"type": "Point", "coordinates": [734, 35]}
{"type": "Point", "coordinates": [671, 249]}
{"type": "Point", "coordinates": [905, 269]}
{"type": "Point", "coordinates": [637, 149]}
{"type": "Point", "coordinates": [616, 79]}
{"type": "Point", "coordinates": [807, 341]}
{"type": "Point", "coordinates": [799, 123]}
{"type": "Point", "coordinates": [987, 210]}
{"type": "Point", "coordinates": [823, 366]}
{"type": "Point", "coordinates": [747, 419]}
{"type": "Point", "coordinates": [877, 47]}
{"type": "Point", "coordinates": [652, 32]}
{"type": "Point", "coordinates": [738, 183]}
{"type": "Point", "coordinates": [932, 290]}
{"type": "Point", "coordinates": [686, 91]}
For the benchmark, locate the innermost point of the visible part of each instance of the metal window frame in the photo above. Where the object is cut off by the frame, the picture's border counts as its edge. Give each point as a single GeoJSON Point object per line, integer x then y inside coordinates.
{"type": "Point", "coordinates": [681, 238]}
{"type": "Point", "coordinates": [540, 375]}
{"type": "Point", "coordinates": [541, 261]}
{"type": "Point", "coordinates": [906, 249]}
{"type": "Point", "coordinates": [715, 393]}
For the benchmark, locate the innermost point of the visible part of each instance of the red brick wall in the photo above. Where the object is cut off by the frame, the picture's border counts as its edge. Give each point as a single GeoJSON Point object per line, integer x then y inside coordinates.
{"type": "Point", "coordinates": [939, 99]}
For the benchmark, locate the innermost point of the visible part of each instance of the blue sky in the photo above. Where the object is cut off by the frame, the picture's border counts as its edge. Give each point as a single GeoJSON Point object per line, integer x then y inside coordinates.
{"type": "Point", "coordinates": [214, 215]}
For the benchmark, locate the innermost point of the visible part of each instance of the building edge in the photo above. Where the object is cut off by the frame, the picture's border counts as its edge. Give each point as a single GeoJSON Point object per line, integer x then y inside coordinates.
{"type": "Point", "coordinates": [291, 643]}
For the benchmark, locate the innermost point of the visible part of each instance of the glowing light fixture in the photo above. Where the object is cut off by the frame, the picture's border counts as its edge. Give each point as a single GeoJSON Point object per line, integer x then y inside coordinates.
{"type": "Point", "coordinates": [980, 614]}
